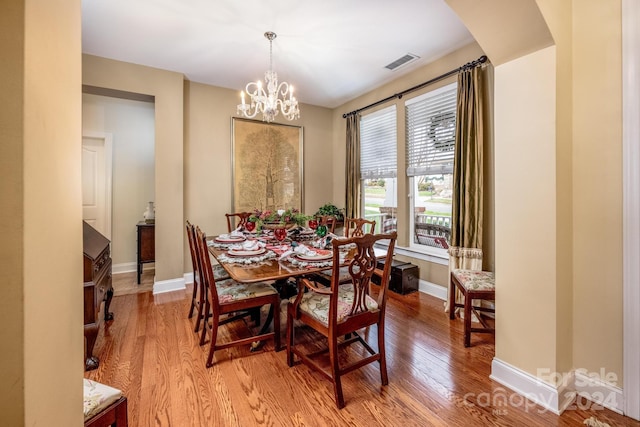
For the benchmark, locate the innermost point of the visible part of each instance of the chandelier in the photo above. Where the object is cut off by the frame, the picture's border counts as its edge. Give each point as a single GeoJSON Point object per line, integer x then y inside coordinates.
{"type": "Point", "coordinates": [269, 103]}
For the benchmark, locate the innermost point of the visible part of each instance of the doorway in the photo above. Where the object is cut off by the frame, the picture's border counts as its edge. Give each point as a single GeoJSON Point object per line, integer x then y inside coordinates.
{"type": "Point", "coordinates": [130, 124]}
{"type": "Point", "coordinates": [97, 160]}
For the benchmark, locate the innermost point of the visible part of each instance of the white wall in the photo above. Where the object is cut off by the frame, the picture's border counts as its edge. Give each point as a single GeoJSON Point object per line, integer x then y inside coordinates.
{"type": "Point", "coordinates": [131, 124]}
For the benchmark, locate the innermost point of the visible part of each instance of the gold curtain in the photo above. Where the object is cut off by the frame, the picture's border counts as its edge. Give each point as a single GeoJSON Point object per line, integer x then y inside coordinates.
{"type": "Point", "coordinates": [352, 169]}
{"type": "Point", "coordinates": [466, 212]}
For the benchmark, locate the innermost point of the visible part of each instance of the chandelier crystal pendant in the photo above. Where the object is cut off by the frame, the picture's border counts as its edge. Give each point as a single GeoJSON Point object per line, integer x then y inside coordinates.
{"type": "Point", "coordinates": [269, 103]}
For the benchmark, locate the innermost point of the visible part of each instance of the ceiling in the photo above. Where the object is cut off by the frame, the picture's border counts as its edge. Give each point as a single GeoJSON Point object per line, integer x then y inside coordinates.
{"type": "Point", "coordinates": [331, 51]}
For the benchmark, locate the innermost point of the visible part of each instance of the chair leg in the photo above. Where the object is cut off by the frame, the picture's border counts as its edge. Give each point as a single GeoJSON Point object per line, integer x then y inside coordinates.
{"type": "Point", "coordinates": [452, 299]}
{"type": "Point", "coordinates": [193, 299]}
{"type": "Point", "coordinates": [205, 316]}
{"type": "Point", "coordinates": [290, 337]}
{"type": "Point", "coordinates": [335, 372]}
{"type": "Point", "coordinates": [467, 320]}
{"type": "Point", "coordinates": [201, 303]}
{"type": "Point", "coordinates": [276, 323]}
{"type": "Point", "coordinates": [383, 355]}
{"type": "Point", "coordinates": [214, 336]}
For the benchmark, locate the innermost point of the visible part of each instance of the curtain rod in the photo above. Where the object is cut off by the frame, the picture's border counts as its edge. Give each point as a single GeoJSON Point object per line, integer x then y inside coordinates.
{"type": "Point", "coordinates": [466, 66]}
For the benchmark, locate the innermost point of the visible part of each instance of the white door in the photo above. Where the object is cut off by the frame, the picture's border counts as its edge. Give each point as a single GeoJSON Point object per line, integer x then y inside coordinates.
{"type": "Point", "coordinates": [96, 181]}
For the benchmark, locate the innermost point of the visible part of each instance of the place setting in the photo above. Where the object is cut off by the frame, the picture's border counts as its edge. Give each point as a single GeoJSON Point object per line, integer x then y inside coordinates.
{"type": "Point", "coordinates": [224, 241]}
{"type": "Point", "coordinates": [303, 256]}
{"type": "Point", "coordinates": [246, 252]}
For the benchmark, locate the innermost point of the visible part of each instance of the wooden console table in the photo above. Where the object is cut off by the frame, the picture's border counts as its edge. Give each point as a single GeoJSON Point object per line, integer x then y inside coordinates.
{"type": "Point", "coordinates": [97, 287]}
{"type": "Point", "coordinates": [146, 245]}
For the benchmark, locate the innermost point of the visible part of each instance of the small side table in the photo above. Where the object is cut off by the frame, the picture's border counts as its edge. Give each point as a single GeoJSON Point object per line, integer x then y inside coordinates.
{"type": "Point", "coordinates": [146, 245]}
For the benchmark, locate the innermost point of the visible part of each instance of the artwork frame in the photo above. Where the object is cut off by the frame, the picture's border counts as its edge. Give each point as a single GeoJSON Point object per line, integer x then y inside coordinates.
{"type": "Point", "coordinates": [267, 164]}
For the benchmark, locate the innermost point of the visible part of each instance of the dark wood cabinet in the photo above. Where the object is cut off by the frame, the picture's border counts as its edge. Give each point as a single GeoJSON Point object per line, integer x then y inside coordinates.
{"type": "Point", "coordinates": [97, 287]}
{"type": "Point", "coordinates": [146, 245]}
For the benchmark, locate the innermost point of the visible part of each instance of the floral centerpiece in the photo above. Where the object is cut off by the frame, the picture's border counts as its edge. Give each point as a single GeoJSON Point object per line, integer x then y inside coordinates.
{"type": "Point", "coordinates": [278, 219]}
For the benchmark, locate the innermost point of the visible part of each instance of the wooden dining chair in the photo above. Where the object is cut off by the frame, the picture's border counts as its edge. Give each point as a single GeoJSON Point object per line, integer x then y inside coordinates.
{"type": "Point", "coordinates": [339, 311]}
{"type": "Point", "coordinates": [239, 218]}
{"type": "Point", "coordinates": [228, 297]}
{"type": "Point", "coordinates": [354, 227]}
{"type": "Point", "coordinates": [199, 290]}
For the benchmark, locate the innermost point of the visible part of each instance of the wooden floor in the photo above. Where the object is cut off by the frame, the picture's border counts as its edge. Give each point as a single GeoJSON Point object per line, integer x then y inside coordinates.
{"type": "Point", "coordinates": [151, 352]}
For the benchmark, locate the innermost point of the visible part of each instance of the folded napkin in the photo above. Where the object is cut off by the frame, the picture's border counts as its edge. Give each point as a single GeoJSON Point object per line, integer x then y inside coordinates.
{"type": "Point", "coordinates": [248, 245]}
{"type": "Point", "coordinates": [299, 249]}
{"type": "Point", "coordinates": [237, 232]}
{"type": "Point", "coordinates": [325, 242]}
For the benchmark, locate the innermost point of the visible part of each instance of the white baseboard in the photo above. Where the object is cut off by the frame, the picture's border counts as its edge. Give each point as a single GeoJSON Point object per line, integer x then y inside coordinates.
{"type": "Point", "coordinates": [188, 278]}
{"type": "Point", "coordinates": [432, 289]}
{"type": "Point", "coordinates": [125, 267]}
{"type": "Point", "coordinates": [131, 267]}
{"type": "Point", "coordinates": [550, 397]}
{"type": "Point", "coordinates": [170, 285]}
{"type": "Point", "coordinates": [599, 392]}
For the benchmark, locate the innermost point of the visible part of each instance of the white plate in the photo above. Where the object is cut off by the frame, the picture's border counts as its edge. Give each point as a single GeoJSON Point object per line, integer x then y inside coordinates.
{"type": "Point", "coordinates": [230, 239]}
{"type": "Point", "coordinates": [243, 252]}
{"type": "Point", "coordinates": [316, 257]}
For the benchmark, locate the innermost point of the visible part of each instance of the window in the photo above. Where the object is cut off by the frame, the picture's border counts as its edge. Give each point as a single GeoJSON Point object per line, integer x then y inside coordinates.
{"type": "Point", "coordinates": [378, 168]}
{"type": "Point", "coordinates": [430, 133]}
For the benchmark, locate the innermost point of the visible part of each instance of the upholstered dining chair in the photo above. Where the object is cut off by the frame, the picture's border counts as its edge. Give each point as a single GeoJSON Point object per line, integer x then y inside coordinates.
{"type": "Point", "coordinates": [339, 311]}
{"type": "Point", "coordinates": [354, 227]}
{"type": "Point", "coordinates": [199, 290]}
{"type": "Point", "coordinates": [227, 297]}
{"type": "Point", "coordinates": [240, 218]}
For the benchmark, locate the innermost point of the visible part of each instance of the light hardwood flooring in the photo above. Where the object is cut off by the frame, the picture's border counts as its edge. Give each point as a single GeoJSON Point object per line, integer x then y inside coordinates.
{"type": "Point", "coordinates": [151, 352]}
{"type": "Point", "coordinates": [126, 283]}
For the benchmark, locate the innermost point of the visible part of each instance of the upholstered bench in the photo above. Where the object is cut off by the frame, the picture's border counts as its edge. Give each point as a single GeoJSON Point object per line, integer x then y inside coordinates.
{"type": "Point", "coordinates": [473, 285]}
{"type": "Point", "coordinates": [103, 406]}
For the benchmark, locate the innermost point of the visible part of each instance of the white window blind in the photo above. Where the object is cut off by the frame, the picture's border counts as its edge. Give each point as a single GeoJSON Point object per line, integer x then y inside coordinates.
{"type": "Point", "coordinates": [378, 151]}
{"type": "Point", "coordinates": [430, 132]}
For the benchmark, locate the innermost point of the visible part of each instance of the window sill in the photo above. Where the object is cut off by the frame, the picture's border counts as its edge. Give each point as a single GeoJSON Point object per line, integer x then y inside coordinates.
{"type": "Point", "coordinates": [435, 256]}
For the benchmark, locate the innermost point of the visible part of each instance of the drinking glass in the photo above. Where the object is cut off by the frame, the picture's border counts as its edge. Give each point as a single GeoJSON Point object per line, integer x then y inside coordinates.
{"type": "Point", "coordinates": [322, 230]}
{"type": "Point", "coordinates": [280, 233]}
{"type": "Point", "coordinates": [249, 226]}
{"type": "Point", "coordinates": [313, 224]}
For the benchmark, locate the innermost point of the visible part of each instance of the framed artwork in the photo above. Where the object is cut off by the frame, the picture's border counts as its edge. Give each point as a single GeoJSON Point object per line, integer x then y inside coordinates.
{"type": "Point", "coordinates": [267, 165]}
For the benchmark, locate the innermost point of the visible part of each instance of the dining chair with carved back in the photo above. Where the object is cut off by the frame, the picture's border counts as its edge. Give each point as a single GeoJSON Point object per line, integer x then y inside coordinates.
{"type": "Point", "coordinates": [239, 218]}
{"type": "Point", "coordinates": [199, 290]}
{"type": "Point", "coordinates": [227, 297]}
{"type": "Point", "coordinates": [354, 227]}
{"type": "Point", "coordinates": [338, 312]}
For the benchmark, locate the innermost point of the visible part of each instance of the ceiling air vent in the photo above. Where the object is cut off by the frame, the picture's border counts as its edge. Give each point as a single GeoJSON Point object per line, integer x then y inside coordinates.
{"type": "Point", "coordinates": [409, 57]}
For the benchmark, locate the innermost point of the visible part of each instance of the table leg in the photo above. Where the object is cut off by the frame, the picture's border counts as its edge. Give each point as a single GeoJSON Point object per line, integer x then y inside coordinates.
{"type": "Point", "coordinates": [285, 289]}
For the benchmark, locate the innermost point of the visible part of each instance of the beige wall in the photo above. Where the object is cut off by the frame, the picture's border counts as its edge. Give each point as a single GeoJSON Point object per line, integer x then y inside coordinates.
{"type": "Point", "coordinates": [431, 272]}
{"type": "Point", "coordinates": [559, 21]}
{"type": "Point", "coordinates": [131, 125]}
{"type": "Point", "coordinates": [597, 182]}
{"type": "Point", "coordinates": [207, 156]}
{"type": "Point", "coordinates": [41, 262]}
{"type": "Point", "coordinates": [167, 88]}
{"type": "Point", "coordinates": [525, 192]}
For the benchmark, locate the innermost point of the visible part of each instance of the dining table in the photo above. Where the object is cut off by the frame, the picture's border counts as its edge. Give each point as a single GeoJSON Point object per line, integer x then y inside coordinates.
{"type": "Point", "coordinates": [275, 261]}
